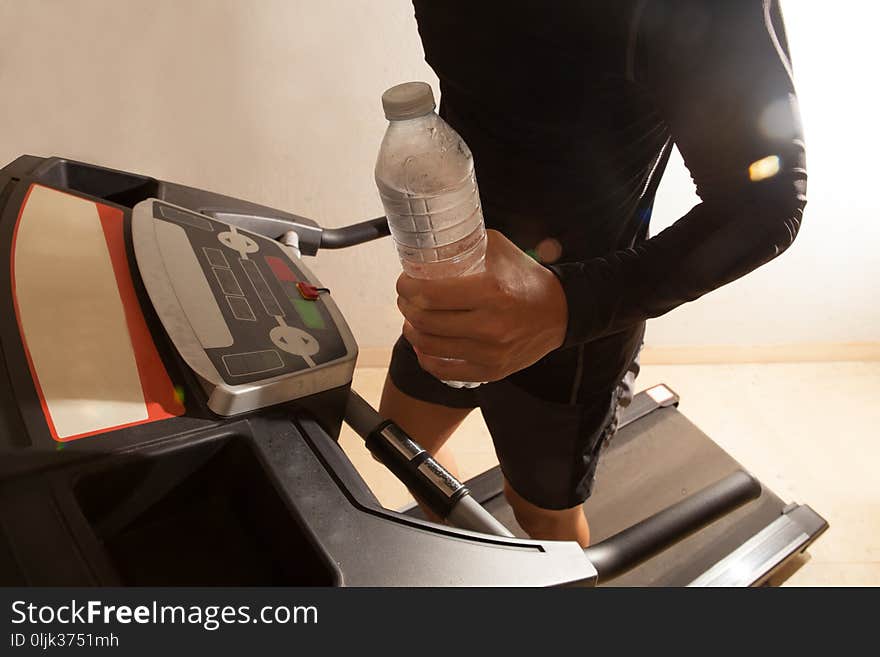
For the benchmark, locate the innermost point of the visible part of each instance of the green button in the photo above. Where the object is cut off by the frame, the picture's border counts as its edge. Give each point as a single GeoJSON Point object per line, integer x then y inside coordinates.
{"type": "Point", "coordinates": [309, 313]}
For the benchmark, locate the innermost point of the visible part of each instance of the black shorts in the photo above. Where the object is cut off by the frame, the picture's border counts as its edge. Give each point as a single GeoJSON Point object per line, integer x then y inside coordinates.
{"type": "Point", "coordinates": [549, 422]}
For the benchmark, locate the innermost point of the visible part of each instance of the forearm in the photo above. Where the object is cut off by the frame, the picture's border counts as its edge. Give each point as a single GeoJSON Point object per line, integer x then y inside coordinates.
{"type": "Point", "coordinates": [714, 244]}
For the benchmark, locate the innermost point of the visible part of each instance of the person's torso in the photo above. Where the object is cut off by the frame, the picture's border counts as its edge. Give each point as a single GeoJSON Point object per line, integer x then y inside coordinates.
{"type": "Point", "coordinates": [564, 141]}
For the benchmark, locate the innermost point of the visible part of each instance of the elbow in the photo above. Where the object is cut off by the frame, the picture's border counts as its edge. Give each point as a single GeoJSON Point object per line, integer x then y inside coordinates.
{"type": "Point", "coordinates": [762, 228]}
{"type": "Point", "coordinates": [778, 208]}
{"type": "Point", "coordinates": [776, 196]}
{"type": "Point", "coordinates": [783, 219]}
{"type": "Point", "coordinates": [784, 228]}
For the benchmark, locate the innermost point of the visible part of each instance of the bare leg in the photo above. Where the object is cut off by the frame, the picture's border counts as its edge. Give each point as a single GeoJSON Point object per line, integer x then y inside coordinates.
{"type": "Point", "coordinates": [428, 424]}
{"type": "Point", "coordinates": [565, 525]}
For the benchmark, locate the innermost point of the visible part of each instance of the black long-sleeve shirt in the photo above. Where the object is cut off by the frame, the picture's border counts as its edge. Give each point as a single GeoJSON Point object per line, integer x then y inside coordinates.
{"type": "Point", "coordinates": [569, 108]}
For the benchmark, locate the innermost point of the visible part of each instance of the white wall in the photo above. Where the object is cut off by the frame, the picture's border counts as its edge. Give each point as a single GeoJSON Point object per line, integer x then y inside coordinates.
{"type": "Point", "coordinates": [277, 101]}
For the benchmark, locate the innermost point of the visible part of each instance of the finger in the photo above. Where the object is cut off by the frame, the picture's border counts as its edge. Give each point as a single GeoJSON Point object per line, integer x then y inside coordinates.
{"type": "Point", "coordinates": [459, 293]}
{"type": "Point", "coordinates": [450, 323]}
{"type": "Point", "coordinates": [458, 348]}
{"type": "Point", "coordinates": [454, 370]}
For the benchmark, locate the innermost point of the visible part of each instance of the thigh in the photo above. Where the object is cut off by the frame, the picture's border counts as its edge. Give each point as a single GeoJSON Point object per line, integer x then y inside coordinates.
{"type": "Point", "coordinates": [426, 408]}
{"type": "Point", "coordinates": [550, 421]}
{"type": "Point", "coordinates": [430, 425]}
{"type": "Point", "coordinates": [548, 451]}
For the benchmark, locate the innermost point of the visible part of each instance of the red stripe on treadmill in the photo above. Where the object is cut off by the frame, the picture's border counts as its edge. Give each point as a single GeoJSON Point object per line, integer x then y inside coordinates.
{"type": "Point", "coordinates": [158, 390]}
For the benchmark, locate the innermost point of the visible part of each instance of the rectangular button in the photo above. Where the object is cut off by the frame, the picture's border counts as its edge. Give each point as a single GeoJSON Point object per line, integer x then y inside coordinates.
{"type": "Point", "coordinates": [253, 362]}
{"type": "Point", "coordinates": [228, 281]}
{"type": "Point", "coordinates": [270, 303]}
{"type": "Point", "coordinates": [215, 257]}
{"type": "Point", "coordinates": [280, 268]}
{"type": "Point", "coordinates": [185, 218]}
{"type": "Point", "coordinates": [309, 313]}
{"type": "Point", "coordinates": [241, 309]}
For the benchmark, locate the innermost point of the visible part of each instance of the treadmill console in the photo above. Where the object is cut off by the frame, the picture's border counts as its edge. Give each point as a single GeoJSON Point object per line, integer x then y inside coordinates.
{"type": "Point", "coordinates": [241, 309]}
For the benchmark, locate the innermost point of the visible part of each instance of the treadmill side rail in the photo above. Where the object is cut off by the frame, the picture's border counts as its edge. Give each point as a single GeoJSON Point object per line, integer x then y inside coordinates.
{"type": "Point", "coordinates": [753, 562]}
{"type": "Point", "coordinates": [646, 402]}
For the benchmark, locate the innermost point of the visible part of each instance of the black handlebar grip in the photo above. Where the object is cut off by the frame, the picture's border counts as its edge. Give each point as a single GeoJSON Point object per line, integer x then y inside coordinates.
{"type": "Point", "coordinates": [429, 481]}
{"type": "Point", "coordinates": [634, 545]}
{"type": "Point", "coordinates": [433, 484]}
{"type": "Point", "coordinates": [340, 238]}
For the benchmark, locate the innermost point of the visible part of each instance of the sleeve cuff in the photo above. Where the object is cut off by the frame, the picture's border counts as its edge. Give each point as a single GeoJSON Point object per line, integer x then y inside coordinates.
{"type": "Point", "coordinates": [573, 278]}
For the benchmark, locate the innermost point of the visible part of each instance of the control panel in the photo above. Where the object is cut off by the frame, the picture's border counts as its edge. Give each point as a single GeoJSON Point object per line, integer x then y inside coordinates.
{"type": "Point", "coordinates": [242, 309]}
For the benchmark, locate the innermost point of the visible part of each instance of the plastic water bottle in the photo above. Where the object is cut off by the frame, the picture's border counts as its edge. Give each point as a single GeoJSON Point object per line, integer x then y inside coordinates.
{"type": "Point", "coordinates": [425, 175]}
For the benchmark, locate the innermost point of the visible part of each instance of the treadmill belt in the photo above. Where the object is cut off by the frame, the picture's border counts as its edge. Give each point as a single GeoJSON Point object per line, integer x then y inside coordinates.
{"type": "Point", "coordinates": [650, 464]}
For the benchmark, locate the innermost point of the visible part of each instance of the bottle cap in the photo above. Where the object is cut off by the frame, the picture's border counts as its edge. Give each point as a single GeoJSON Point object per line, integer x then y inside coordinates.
{"type": "Point", "coordinates": [408, 101]}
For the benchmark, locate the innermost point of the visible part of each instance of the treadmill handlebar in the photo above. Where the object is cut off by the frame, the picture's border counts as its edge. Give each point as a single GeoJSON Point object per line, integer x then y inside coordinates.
{"type": "Point", "coordinates": [365, 231]}
{"type": "Point", "coordinates": [360, 416]}
{"type": "Point", "coordinates": [469, 514]}
{"type": "Point", "coordinates": [429, 481]}
{"type": "Point", "coordinates": [634, 545]}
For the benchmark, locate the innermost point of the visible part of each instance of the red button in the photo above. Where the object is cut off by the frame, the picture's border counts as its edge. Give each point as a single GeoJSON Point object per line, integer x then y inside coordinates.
{"type": "Point", "coordinates": [280, 269]}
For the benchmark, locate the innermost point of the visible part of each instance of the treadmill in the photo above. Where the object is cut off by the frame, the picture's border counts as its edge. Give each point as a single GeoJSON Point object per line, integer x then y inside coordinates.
{"type": "Point", "coordinates": [173, 379]}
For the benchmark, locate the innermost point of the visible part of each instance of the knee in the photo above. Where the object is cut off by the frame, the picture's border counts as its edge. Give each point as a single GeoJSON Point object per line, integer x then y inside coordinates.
{"type": "Point", "coordinates": [533, 525]}
{"type": "Point", "coordinates": [539, 523]}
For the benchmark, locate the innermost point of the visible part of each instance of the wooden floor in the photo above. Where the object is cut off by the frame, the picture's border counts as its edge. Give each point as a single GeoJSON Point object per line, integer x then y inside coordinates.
{"type": "Point", "coordinates": [810, 431]}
